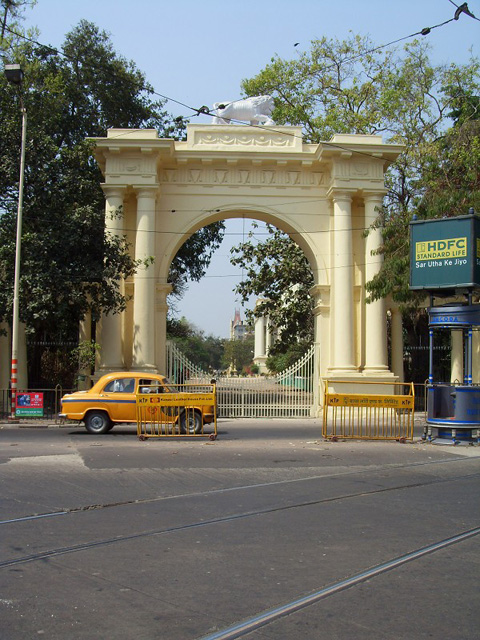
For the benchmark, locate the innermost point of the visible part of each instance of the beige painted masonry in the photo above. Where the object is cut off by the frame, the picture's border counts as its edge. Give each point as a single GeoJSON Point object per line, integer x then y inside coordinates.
{"type": "Point", "coordinates": [323, 195]}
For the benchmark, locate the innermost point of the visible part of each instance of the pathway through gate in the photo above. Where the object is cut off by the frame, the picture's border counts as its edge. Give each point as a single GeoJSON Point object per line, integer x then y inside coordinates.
{"type": "Point", "coordinates": [288, 394]}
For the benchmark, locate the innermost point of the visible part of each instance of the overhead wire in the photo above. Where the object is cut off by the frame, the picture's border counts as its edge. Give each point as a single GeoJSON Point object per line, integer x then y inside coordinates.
{"type": "Point", "coordinates": [203, 110]}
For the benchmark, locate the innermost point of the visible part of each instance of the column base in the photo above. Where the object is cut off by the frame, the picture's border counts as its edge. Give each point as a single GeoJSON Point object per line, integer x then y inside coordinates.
{"type": "Point", "coordinates": [110, 369]}
{"type": "Point", "coordinates": [144, 368]}
{"type": "Point", "coordinates": [261, 362]}
{"type": "Point", "coordinates": [364, 382]}
{"type": "Point", "coordinates": [380, 370]}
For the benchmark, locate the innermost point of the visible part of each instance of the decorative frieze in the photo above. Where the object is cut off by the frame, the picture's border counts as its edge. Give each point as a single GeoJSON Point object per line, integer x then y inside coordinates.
{"type": "Point", "coordinates": [348, 170]}
{"type": "Point", "coordinates": [118, 165]}
{"type": "Point", "coordinates": [235, 176]}
{"type": "Point", "coordinates": [267, 139]}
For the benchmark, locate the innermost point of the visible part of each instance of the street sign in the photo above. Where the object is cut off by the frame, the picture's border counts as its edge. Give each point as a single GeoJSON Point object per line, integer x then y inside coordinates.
{"type": "Point", "coordinates": [29, 404]}
{"type": "Point", "coordinates": [445, 253]}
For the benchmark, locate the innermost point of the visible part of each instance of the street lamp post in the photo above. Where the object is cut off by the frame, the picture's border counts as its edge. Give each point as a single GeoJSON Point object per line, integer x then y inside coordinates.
{"type": "Point", "coordinates": [14, 75]}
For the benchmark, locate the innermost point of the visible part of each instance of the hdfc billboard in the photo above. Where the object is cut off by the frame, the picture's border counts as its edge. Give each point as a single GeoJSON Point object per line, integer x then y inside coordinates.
{"type": "Point", "coordinates": [445, 253]}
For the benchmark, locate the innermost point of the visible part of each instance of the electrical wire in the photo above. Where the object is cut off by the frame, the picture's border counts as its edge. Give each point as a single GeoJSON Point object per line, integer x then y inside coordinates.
{"type": "Point", "coordinates": [203, 110]}
{"type": "Point", "coordinates": [206, 111]}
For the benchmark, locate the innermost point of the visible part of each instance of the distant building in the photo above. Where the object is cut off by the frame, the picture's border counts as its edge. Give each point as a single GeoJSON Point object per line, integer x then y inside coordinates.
{"type": "Point", "coordinates": [238, 329]}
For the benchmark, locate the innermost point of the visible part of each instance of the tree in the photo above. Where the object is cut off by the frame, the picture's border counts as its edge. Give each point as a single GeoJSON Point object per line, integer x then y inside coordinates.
{"type": "Point", "coordinates": [70, 264]}
{"type": "Point", "coordinates": [352, 86]}
{"type": "Point", "coordinates": [11, 10]}
{"type": "Point", "coordinates": [204, 351]}
{"type": "Point", "coordinates": [449, 185]}
{"type": "Point", "coordinates": [277, 272]}
{"type": "Point", "coordinates": [238, 354]}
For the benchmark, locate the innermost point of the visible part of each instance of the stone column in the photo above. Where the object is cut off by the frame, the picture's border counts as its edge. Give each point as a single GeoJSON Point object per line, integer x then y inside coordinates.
{"type": "Point", "coordinates": [259, 350]}
{"type": "Point", "coordinates": [161, 326]}
{"type": "Point", "coordinates": [143, 357]}
{"type": "Point", "coordinates": [111, 352]}
{"type": "Point", "coordinates": [342, 279]}
{"type": "Point", "coordinates": [456, 370]}
{"type": "Point", "coordinates": [397, 344]}
{"type": "Point", "coordinates": [376, 355]}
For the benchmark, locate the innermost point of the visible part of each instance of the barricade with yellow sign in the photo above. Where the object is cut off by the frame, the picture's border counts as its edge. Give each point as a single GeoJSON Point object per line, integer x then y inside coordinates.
{"type": "Point", "coordinates": [369, 416]}
{"type": "Point", "coordinates": [183, 410]}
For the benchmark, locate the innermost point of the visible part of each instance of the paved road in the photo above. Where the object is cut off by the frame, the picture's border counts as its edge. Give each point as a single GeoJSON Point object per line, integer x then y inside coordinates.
{"type": "Point", "coordinates": [181, 539]}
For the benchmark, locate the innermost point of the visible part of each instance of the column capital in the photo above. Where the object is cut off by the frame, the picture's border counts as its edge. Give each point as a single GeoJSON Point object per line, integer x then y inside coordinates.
{"type": "Point", "coordinates": [374, 196]}
{"type": "Point", "coordinates": [113, 190]}
{"type": "Point", "coordinates": [163, 289]}
{"type": "Point", "coordinates": [146, 190]}
{"type": "Point", "coordinates": [341, 195]}
{"type": "Point", "coordinates": [320, 293]}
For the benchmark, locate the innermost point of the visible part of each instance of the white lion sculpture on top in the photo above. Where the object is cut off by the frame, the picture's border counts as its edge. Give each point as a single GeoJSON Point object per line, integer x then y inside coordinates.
{"type": "Point", "coordinates": [255, 110]}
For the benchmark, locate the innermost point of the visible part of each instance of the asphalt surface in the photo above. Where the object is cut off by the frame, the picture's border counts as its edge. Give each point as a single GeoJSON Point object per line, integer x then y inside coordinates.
{"type": "Point", "coordinates": [268, 532]}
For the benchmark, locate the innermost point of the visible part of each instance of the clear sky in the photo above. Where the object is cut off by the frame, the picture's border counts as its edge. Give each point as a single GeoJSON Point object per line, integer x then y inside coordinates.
{"type": "Point", "coordinates": [197, 53]}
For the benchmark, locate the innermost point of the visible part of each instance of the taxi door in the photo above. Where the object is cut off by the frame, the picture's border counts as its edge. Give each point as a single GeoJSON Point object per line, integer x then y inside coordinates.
{"type": "Point", "coordinates": [119, 394]}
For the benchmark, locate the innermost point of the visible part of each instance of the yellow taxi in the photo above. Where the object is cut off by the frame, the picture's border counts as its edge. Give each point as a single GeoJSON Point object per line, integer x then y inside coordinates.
{"type": "Point", "coordinates": [112, 400]}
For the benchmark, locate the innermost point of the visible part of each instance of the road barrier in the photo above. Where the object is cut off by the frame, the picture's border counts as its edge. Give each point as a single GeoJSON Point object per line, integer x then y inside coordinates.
{"type": "Point", "coordinates": [190, 410]}
{"type": "Point", "coordinates": [369, 416]}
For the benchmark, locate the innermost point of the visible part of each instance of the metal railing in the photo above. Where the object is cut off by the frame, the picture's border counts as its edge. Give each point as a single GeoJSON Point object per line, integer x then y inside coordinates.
{"type": "Point", "coordinates": [288, 394]}
{"type": "Point", "coordinates": [373, 416]}
{"type": "Point", "coordinates": [190, 411]}
{"type": "Point", "coordinates": [51, 403]}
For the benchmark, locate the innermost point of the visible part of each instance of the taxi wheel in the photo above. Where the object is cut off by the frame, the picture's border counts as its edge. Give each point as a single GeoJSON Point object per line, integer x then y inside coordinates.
{"type": "Point", "coordinates": [97, 422]}
{"type": "Point", "coordinates": [191, 423]}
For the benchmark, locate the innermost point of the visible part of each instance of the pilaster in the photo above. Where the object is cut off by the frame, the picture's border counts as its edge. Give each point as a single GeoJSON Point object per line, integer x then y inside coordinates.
{"type": "Point", "coordinates": [161, 311]}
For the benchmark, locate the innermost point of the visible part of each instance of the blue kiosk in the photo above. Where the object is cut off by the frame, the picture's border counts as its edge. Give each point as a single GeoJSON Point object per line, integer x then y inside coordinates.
{"type": "Point", "coordinates": [445, 262]}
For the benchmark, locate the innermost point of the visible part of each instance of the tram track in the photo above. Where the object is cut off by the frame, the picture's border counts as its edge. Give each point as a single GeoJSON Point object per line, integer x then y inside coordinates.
{"type": "Point", "coordinates": [265, 618]}
{"type": "Point", "coordinates": [60, 551]}
{"type": "Point", "coordinates": [194, 494]}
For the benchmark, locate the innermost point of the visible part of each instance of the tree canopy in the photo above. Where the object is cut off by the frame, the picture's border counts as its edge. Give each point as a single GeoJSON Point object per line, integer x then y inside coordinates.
{"type": "Point", "coordinates": [278, 274]}
{"type": "Point", "coordinates": [205, 351]}
{"type": "Point", "coordinates": [352, 86]}
{"type": "Point", "coordinates": [69, 262]}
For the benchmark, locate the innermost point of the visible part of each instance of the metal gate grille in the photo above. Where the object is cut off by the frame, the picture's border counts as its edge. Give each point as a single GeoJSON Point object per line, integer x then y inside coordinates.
{"type": "Point", "coordinates": [288, 394]}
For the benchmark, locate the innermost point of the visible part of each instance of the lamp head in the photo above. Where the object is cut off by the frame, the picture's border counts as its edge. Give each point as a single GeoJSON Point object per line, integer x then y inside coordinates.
{"type": "Point", "coordinates": [14, 73]}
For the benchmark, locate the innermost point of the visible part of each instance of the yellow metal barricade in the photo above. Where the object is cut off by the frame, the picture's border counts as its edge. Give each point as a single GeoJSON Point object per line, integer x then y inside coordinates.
{"type": "Point", "coordinates": [189, 410]}
{"type": "Point", "coordinates": [369, 416]}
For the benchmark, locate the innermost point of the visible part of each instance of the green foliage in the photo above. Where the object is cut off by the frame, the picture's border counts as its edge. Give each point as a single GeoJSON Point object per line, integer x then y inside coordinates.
{"type": "Point", "coordinates": [204, 351]}
{"type": "Point", "coordinates": [193, 258]}
{"type": "Point", "coordinates": [238, 354]}
{"type": "Point", "coordinates": [70, 263]}
{"type": "Point", "coordinates": [352, 87]}
{"type": "Point", "coordinates": [277, 271]}
{"type": "Point", "coordinates": [336, 87]}
{"type": "Point", "coordinates": [83, 356]}
{"type": "Point", "coordinates": [280, 360]}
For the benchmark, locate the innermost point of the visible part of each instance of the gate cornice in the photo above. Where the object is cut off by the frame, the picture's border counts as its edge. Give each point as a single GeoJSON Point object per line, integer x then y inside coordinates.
{"type": "Point", "coordinates": [139, 156]}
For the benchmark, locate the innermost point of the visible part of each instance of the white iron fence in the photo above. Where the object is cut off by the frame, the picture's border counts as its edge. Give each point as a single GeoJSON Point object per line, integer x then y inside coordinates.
{"type": "Point", "coordinates": [288, 394]}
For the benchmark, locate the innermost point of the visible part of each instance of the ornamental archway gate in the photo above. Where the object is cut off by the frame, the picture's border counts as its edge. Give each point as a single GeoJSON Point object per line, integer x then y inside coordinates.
{"type": "Point", "coordinates": [323, 195]}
